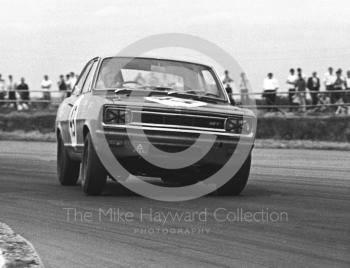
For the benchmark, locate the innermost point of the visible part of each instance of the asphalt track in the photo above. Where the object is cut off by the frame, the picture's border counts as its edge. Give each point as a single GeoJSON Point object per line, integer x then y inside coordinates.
{"type": "Point", "coordinates": [311, 187]}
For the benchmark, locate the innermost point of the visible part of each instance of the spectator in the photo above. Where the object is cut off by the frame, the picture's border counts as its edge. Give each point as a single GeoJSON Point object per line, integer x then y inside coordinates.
{"type": "Point", "coordinates": [270, 87]}
{"type": "Point", "coordinates": [291, 80]}
{"type": "Point", "coordinates": [72, 80]}
{"type": "Point", "coordinates": [243, 85]}
{"type": "Point", "coordinates": [300, 87]}
{"type": "Point", "coordinates": [228, 84]}
{"type": "Point", "coordinates": [24, 95]}
{"type": "Point", "coordinates": [313, 84]}
{"type": "Point", "coordinates": [62, 87]}
{"type": "Point", "coordinates": [347, 91]}
{"type": "Point", "coordinates": [46, 86]}
{"type": "Point", "coordinates": [300, 71]}
{"type": "Point", "coordinates": [339, 85]}
{"type": "Point", "coordinates": [69, 89]}
{"type": "Point", "coordinates": [2, 90]}
{"type": "Point", "coordinates": [226, 79]}
{"type": "Point", "coordinates": [11, 88]}
{"type": "Point", "coordinates": [329, 80]}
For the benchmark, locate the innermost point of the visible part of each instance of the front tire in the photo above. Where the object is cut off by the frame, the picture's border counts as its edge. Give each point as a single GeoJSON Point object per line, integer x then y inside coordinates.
{"type": "Point", "coordinates": [67, 168]}
{"type": "Point", "coordinates": [238, 182]}
{"type": "Point", "coordinates": [94, 175]}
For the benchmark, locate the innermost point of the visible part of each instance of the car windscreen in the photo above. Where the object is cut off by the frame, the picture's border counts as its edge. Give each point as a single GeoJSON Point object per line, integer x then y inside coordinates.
{"type": "Point", "coordinates": [182, 77]}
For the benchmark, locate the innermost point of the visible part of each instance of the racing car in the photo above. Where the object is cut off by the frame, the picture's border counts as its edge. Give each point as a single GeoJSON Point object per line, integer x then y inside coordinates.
{"type": "Point", "coordinates": [145, 109]}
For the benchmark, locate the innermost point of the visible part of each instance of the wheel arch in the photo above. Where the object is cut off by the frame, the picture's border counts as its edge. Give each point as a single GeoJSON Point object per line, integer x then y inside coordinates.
{"type": "Point", "coordinates": [86, 130]}
{"type": "Point", "coordinates": [58, 132]}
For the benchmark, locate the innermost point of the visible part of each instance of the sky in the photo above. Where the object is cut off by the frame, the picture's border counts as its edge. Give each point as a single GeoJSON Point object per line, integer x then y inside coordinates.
{"type": "Point", "coordinates": [58, 36]}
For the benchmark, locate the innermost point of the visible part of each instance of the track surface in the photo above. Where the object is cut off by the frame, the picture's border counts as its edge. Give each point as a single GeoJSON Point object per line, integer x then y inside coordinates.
{"type": "Point", "coordinates": [312, 187]}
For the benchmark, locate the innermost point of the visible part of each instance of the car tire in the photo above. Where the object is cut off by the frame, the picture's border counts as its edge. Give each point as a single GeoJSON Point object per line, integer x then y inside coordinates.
{"type": "Point", "coordinates": [94, 175]}
{"type": "Point", "coordinates": [237, 183]}
{"type": "Point", "coordinates": [67, 168]}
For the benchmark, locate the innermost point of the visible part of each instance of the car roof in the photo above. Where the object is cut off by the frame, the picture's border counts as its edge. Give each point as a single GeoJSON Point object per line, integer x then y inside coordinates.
{"type": "Point", "coordinates": [155, 58]}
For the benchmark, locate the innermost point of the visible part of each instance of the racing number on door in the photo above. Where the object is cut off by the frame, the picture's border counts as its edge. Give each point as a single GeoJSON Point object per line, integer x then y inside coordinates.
{"type": "Point", "coordinates": [72, 122]}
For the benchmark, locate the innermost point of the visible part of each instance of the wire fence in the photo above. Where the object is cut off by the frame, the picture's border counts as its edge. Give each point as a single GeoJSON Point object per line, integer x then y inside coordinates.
{"type": "Point", "coordinates": [55, 97]}
{"type": "Point", "coordinates": [295, 92]}
{"type": "Point", "coordinates": [337, 101]}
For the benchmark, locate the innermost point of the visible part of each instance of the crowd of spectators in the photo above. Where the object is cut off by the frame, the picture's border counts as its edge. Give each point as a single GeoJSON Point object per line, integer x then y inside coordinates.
{"type": "Point", "coordinates": [229, 85]}
{"type": "Point", "coordinates": [17, 95]}
{"type": "Point", "coordinates": [65, 85]}
{"type": "Point", "coordinates": [331, 94]}
{"type": "Point", "coordinates": [335, 97]}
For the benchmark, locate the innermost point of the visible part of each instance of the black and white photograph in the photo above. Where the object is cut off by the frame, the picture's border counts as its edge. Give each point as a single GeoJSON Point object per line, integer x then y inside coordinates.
{"type": "Point", "coordinates": [163, 133]}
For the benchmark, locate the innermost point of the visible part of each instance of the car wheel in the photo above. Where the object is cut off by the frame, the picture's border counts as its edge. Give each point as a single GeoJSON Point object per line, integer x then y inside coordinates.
{"type": "Point", "coordinates": [236, 184]}
{"type": "Point", "coordinates": [94, 175]}
{"type": "Point", "coordinates": [67, 169]}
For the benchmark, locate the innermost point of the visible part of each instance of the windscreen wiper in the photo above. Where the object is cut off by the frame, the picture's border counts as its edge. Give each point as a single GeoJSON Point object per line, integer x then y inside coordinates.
{"type": "Point", "coordinates": [208, 98]}
{"type": "Point", "coordinates": [127, 91]}
{"type": "Point", "coordinates": [121, 91]}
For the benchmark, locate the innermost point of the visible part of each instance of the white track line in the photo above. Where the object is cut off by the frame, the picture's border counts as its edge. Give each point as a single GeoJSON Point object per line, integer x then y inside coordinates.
{"type": "Point", "coordinates": [2, 260]}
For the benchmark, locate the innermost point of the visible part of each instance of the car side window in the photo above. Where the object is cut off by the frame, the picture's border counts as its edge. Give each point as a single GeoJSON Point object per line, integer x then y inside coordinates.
{"type": "Point", "coordinates": [90, 77]}
{"type": "Point", "coordinates": [81, 79]}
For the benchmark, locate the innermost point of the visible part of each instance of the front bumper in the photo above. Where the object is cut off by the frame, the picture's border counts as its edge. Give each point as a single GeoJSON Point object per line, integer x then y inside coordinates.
{"type": "Point", "coordinates": [172, 141]}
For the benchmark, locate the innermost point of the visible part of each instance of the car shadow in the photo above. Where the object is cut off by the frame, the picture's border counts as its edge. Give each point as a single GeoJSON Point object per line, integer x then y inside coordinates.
{"type": "Point", "coordinates": [252, 190]}
{"type": "Point", "coordinates": [113, 188]}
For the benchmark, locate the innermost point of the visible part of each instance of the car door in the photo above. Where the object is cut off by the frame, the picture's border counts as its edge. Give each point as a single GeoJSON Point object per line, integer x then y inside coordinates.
{"type": "Point", "coordinates": [80, 108]}
{"type": "Point", "coordinates": [68, 108]}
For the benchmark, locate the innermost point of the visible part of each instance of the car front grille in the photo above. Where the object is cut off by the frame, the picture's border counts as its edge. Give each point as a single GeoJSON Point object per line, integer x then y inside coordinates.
{"type": "Point", "coordinates": [166, 119]}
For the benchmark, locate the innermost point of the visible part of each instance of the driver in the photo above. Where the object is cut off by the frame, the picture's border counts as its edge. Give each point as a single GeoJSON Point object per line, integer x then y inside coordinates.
{"type": "Point", "coordinates": [111, 80]}
{"type": "Point", "coordinates": [139, 79]}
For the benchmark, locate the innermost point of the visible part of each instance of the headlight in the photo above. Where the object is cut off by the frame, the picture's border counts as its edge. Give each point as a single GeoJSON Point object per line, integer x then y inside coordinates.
{"type": "Point", "coordinates": [116, 116]}
{"type": "Point", "coordinates": [247, 125]}
{"type": "Point", "coordinates": [239, 125]}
